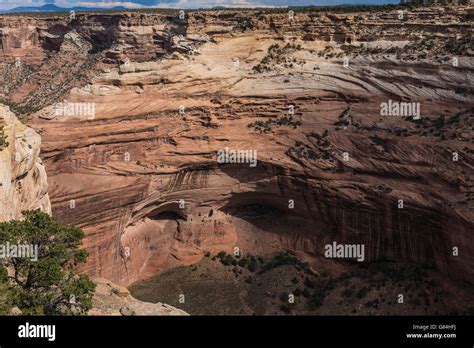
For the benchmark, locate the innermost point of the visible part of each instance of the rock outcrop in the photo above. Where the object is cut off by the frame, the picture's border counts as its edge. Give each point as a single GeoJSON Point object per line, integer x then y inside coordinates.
{"type": "Point", "coordinates": [23, 180]}
{"type": "Point", "coordinates": [113, 299]}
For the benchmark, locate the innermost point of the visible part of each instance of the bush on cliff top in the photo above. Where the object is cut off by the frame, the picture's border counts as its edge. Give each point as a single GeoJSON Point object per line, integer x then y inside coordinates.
{"type": "Point", "coordinates": [3, 139]}
{"type": "Point", "coordinates": [46, 286]}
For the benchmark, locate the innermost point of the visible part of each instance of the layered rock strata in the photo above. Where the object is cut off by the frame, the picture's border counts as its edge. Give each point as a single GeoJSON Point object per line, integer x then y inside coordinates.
{"type": "Point", "coordinates": [23, 180]}
{"type": "Point", "coordinates": [141, 175]}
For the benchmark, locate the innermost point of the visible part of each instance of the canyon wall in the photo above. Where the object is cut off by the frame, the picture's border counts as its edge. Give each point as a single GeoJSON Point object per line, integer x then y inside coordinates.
{"type": "Point", "coordinates": [141, 175]}
{"type": "Point", "coordinates": [23, 186]}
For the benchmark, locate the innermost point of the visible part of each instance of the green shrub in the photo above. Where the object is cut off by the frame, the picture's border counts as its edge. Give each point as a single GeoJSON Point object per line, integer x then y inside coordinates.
{"type": "Point", "coordinates": [252, 266]}
{"type": "Point", "coordinates": [47, 285]}
{"type": "Point", "coordinates": [308, 283]}
{"type": "Point", "coordinates": [281, 259]}
{"type": "Point", "coordinates": [3, 139]}
{"type": "Point", "coordinates": [317, 298]}
{"type": "Point", "coordinates": [266, 126]}
{"type": "Point", "coordinates": [348, 292]}
{"type": "Point", "coordinates": [362, 292]}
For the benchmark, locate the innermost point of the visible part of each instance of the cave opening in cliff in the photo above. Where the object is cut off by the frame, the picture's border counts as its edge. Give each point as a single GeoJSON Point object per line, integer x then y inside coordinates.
{"type": "Point", "coordinates": [254, 211]}
{"type": "Point", "coordinates": [166, 215]}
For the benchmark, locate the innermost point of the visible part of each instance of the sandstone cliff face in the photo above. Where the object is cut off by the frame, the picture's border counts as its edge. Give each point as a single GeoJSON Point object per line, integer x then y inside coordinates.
{"type": "Point", "coordinates": [23, 181]}
{"type": "Point", "coordinates": [34, 76]}
{"type": "Point", "coordinates": [143, 174]}
{"type": "Point", "coordinates": [23, 186]}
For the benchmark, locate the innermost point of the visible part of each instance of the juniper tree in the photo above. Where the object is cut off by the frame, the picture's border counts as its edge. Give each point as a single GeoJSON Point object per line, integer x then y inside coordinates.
{"type": "Point", "coordinates": [47, 285]}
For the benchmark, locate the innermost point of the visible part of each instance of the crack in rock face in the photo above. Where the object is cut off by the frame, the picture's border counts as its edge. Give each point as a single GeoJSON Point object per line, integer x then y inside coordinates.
{"type": "Point", "coordinates": [347, 128]}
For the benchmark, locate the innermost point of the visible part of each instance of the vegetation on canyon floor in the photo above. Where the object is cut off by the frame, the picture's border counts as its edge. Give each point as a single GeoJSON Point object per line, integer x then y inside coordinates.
{"type": "Point", "coordinates": [262, 285]}
{"type": "Point", "coordinates": [48, 285]}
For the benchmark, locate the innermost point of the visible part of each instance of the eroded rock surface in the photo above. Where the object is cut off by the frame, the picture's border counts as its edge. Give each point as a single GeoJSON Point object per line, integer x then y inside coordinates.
{"type": "Point", "coordinates": [143, 172]}
{"type": "Point", "coordinates": [112, 299]}
{"type": "Point", "coordinates": [23, 181]}
{"type": "Point", "coordinates": [23, 186]}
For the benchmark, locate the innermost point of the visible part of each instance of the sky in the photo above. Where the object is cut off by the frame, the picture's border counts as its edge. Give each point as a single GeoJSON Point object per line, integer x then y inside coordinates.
{"type": "Point", "coordinates": [182, 4]}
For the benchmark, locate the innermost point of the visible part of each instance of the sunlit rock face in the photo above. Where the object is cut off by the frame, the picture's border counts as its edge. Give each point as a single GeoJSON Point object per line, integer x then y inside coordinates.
{"type": "Point", "coordinates": [23, 181]}
{"type": "Point", "coordinates": [141, 174]}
